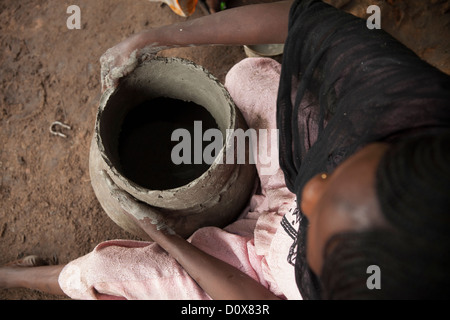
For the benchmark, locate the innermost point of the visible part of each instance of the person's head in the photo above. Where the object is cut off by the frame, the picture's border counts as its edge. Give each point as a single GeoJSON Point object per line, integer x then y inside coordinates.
{"type": "Point", "coordinates": [388, 207]}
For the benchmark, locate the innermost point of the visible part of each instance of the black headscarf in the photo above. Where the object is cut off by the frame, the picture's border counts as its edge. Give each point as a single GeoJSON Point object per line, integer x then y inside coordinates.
{"type": "Point", "coordinates": [343, 86]}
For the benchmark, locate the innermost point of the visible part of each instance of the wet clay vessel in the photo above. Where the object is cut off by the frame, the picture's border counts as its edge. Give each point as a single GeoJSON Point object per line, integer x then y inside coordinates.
{"type": "Point", "coordinates": [217, 196]}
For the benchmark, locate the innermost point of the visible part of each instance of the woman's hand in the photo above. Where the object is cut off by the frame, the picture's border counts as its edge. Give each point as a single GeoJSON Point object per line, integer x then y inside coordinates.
{"type": "Point", "coordinates": [219, 279]}
{"type": "Point", "coordinates": [252, 24]}
{"type": "Point", "coordinates": [147, 217]}
{"type": "Point", "coordinates": [123, 58]}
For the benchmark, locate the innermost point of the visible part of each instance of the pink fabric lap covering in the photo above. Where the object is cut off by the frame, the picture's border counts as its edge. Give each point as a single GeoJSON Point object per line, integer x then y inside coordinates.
{"type": "Point", "coordinates": [255, 244]}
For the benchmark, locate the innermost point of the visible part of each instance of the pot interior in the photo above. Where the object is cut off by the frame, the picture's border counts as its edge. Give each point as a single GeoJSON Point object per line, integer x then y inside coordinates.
{"type": "Point", "coordinates": [137, 122]}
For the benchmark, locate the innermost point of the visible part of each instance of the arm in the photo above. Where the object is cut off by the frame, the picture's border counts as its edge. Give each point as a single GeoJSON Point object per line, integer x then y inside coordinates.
{"type": "Point", "coordinates": [253, 24]}
{"type": "Point", "coordinates": [217, 278]}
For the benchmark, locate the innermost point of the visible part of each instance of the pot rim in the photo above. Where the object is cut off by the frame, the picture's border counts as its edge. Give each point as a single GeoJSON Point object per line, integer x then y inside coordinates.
{"type": "Point", "coordinates": [164, 193]}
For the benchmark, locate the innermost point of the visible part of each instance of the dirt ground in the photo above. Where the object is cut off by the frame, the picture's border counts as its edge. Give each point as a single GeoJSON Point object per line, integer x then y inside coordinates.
{"type": "Point", "coordinates": [50, 73]}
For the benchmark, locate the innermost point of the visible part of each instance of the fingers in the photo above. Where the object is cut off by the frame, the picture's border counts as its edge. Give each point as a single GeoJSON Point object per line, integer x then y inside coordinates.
{"type": "Point", "coordinates": [132, 206]}
{"type": "Point", "coordinates": [111, 185]}
{"type": "Point", "coordinates": [106, 64]}
{"type": "Point", "coordinates": [126, 201]}
{"type": "Point", "coordinates": [113, 68]}
{"type": "Point", "coordinates": [120, 60]}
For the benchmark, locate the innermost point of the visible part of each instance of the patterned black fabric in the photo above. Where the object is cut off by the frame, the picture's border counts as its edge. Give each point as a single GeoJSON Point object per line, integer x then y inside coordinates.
{"type": "Point", "coordinates": [343, 86]}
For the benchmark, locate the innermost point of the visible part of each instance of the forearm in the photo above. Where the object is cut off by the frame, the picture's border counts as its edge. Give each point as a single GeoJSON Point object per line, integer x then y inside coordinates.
{"type": "Point", "coordinates": [217, 278]}
{"type": "Point", "coordinates": [253, 24]}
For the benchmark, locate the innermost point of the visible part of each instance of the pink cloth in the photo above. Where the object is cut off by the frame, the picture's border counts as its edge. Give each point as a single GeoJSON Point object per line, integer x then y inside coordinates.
{"type": "Point", "coordinates": [256, 243]}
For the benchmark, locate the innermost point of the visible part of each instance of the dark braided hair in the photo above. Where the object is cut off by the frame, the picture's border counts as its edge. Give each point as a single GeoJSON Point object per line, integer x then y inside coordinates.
{"type": "Point", "coordinates": [413, 256]}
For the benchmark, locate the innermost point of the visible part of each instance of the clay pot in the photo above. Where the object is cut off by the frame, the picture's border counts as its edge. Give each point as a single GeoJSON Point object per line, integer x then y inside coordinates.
{"type": "Point", "coordinates": [264, 50]}
{"type": "Point", "coordinates": [217, 196]}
